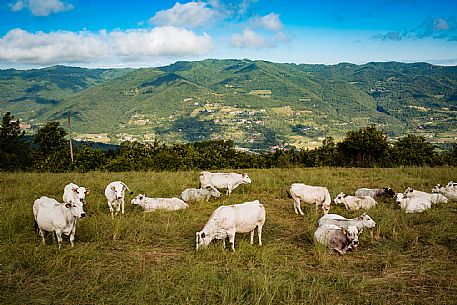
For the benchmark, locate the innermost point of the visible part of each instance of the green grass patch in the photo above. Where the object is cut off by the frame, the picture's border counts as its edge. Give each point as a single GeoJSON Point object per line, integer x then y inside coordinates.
{"type": "Point", "coordinates": [150, 258]}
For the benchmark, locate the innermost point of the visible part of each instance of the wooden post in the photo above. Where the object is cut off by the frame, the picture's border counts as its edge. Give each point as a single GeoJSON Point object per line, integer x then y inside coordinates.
{"type": "Point", "coordinates": [69, 135]}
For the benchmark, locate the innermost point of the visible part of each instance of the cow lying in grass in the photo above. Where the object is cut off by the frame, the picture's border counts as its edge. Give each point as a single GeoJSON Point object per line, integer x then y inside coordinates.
{"type": "Point", "coordinates": [337, 238]}
{"type": "Point", "coordinates": [361, 222]}
{"type": "Point", "coordinates": [353, 203]}
{"type": "Point", "coordinates": [152, 204]}
{"type": "Point", "coordinates": [194, 195]}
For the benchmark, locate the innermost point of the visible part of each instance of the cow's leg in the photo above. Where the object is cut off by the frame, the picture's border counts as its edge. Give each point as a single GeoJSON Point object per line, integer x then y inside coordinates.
{"type": "Point", "coordinates": [252, 236]}
{"type": "Point", "coordinates": [59, 237]}
{"type": "Point", "coordinates": [259, 233]}
{"type": "Point", "coordinates": [231, 236]}
{"type": "Point", "coordinates": [122, 205]}
{"type": "Point", "coordinates": [42, 236]}
{"type": "Point", "coordinates": [297, 204]}
{"type": "Point", "coordinates": [118, 207]}
{"type": "Point", "coordinates": [72, 235]}
{"type": "Point", "coordinates": [223, 242]}
{"type": "Point", "coordinates": [229, 189]}
{"type": "Point", "coordinates": [111, 209]}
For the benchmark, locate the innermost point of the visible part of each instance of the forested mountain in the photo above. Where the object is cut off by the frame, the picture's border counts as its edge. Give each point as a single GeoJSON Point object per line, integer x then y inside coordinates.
{"type": "Point", "coordinates": [257, 104]}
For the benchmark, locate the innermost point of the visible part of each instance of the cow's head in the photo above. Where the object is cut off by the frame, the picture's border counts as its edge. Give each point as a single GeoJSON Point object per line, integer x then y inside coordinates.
{"type": "Point", "coordinates": [451, 184]}
{"type": "Point", "coordinates": [352, 234]}
{"type": "Point", "coordinates": [79, 194]}
{"type": "Point", "coordinates": [246, 178]}
{"type": "Point", "coordinates": [400, 198]}
{"type": "Point", "coordinates": [408, 191]}
{"type": "Point", "coordinates": [202, 239]}
{"type": "Point", "coordinates": [326, 208]}
{"type": "Point", "coordinates": [339, 198]}
{"type": "Point", "coordinates": [76, 209]}
{"type": "Point", "coordinates": [213, 191]}
{"type": "Point", "coordinates": [138, 199]}
{"type": "Point", "coordinates": [437, 188]}
{"type": "Point", "coordinates": [118, 190]}
{"type": "Point", "coordinates": [366, 221]}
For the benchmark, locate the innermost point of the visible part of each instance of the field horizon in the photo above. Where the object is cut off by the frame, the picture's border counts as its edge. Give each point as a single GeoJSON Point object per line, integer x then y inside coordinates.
{"type": "Point", "coordinates": [150, 258]}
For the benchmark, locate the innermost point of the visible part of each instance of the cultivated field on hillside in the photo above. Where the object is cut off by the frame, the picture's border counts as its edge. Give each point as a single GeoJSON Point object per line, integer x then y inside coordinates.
{"type": "Point", "coordinates": [150, 258]}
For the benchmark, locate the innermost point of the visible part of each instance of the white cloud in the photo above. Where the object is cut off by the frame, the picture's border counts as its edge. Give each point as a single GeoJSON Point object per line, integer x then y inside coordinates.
{"type": "Point", "coordinates": [19, 46]}
{"type": "Point", "coordinates": [160, 41]}
{"type": "Point", "coordinates": [270, 22]}
{"type": "Point", "coordinates": [41, 7]}
{"type": "Point", "coordinates": [188, 15]}
{"type": "Point", "coordinates": [250, 40]}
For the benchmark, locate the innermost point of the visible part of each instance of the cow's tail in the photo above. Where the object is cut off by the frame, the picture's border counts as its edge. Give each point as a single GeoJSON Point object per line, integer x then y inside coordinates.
{"type": "Point", "coordinates": [131, 193]}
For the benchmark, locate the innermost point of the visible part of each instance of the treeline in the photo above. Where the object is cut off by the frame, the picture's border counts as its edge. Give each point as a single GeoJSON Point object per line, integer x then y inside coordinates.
{"type": "Point", "coordinates": [48, 151]}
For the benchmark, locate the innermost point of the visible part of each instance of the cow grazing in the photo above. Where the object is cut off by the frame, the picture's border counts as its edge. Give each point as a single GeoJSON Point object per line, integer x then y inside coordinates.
{"type": "Point", "coordinates": [353, 203]}
{"type": "Point", "coordinates": [193, 194]}
{"type": "Point", "coordinates": [151, 204]}
{"type": "Point", "coordinates": [115, 194]}
{"type": "Point", "coordinates": [228, 181]}
{"type": "Point", "coordinates": [52, 216]}
{"type": "Point", "coordinates": [73, 193]}
{"type": "Point", "coordinates": [361, 222]}
{"type": "Point", "coordinates": [317, 195]}
{"type": "Point", "coordinates": [449, 191]}
{"type": "Point", "coordinates": [414, 204]}
{"type": "Point", "coordinates": [338, 238]}
{"type": "Point", "coordinates": [378, 192]}
{"type": "Point", "coordinates": [433, 198]}
{"type": "Point", "coordinates": [228, 220]}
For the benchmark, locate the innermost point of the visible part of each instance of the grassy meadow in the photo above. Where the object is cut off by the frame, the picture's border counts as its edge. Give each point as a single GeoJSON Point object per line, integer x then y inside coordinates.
{"type": "Point", "coordinates": [150, 258]}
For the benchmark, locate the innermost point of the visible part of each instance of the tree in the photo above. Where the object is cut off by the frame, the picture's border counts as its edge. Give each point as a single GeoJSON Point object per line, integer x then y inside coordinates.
{"type": "Point", "coordinates": [415, 150]}
{"type": "Point", "coordinates": [365, 147]}
{"type": "Point", "coordinates": [50, 145]}
{"type": "Point", "coordinates": [14, 151]}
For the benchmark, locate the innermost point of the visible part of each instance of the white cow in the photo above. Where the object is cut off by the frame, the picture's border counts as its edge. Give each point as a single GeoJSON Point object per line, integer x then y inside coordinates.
{"type": "Point", "coordinates": [433, 198]}
{"type": "Point", "coordinates": [353, 203]}
{"type": "Point", "coordinates": [52, 216]}
{"type": "Point", "coordinates": [387, 192]}
{"type": "Point", "coordinates": [317, 195]}
{"type": "Point", "coordinates": [193, 194]}
{"type": "Point", "coordinates": [115, 194]}
{"type": "Point", "coordinates": [338, 238]}
{"type": "Point", "coordinates": [361, 222]}
{"type": "Point", "coordinates": [413, 204]}
{"type": "Point", "coordinates": [229, 181]}
{"type": "Point", "coordinates": [228, 220]}
{"type": "Point", "coordinates": [449, 191]}
{"type": "Point", "coordinates": [151, 204]}
{"type": "Point", "coordinates": [73, 193]}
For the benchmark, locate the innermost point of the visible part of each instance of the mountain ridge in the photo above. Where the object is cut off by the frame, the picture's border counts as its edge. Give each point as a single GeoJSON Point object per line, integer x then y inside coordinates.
{"type": "Point", "coordinates": [256, 103]}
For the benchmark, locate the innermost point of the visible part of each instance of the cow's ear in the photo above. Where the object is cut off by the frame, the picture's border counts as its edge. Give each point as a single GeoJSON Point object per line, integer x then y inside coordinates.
{"type": "Point", "coordinates": [202, 235]}
{"type": "Point", "coordinates": [345, 195]}
{"type": "Point", "coordinates": [87, 192]}
{"type": "Point", "coordinates": [68, 205]}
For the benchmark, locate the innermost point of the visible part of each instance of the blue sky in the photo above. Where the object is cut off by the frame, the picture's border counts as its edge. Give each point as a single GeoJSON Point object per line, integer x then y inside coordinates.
{"type": "Point", "coordinates": [140, 33]}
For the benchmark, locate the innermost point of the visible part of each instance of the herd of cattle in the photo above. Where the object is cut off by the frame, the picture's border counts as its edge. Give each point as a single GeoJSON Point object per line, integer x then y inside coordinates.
{"type": "Point", "coordinates": [334, 231]}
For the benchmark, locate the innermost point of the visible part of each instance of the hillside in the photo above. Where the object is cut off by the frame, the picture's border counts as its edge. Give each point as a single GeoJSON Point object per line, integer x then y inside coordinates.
{"type": "Point", "coordinates": [257, 104]}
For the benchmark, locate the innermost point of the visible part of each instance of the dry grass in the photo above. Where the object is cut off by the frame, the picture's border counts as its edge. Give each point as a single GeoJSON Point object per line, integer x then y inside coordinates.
{"type": "Point", "coordinates": [149, 258]}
